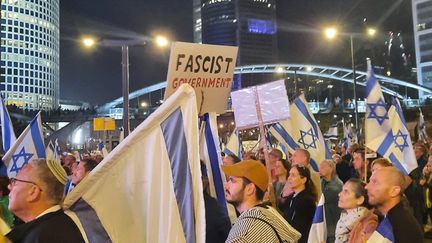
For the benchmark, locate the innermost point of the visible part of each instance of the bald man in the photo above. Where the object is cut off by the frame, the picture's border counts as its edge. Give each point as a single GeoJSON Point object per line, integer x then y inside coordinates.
{"type": "Point", "coordinates": [385, 189]}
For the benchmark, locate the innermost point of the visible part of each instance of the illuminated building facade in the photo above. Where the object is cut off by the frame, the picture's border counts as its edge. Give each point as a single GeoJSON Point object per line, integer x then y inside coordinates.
{"type": "Point", "coordinates": [422, 20]}
{"type": "Point", "coordinates": [248, 24]}
{"type": "Point", "coordinates": [30, 35]}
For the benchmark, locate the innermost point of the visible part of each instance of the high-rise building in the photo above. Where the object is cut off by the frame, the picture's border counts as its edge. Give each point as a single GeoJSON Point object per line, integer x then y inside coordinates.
{"type": "Point", "coordinates": [197, 21]}
{"type": "Point", "coordinates": [30, 35]}
{"type": "Point", "coordinates": [248, 24]}
{"type": "Point", "coordinates": [422, 20]}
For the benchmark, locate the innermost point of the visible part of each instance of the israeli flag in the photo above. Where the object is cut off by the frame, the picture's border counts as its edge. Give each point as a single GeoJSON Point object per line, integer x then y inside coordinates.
{"type": "Point", "coordinates": [8, 134]}
{"type": "Point", "coordinates": [211, 155]}
{"type": "Point", "coordinates": [102, 149]}
{"type": "Point", "coordinates": [50, 151]}
{"type": "Point", "coordinates": [347, 140]}
{"type": "Point", "coordinates": [234, 145]}
{"type": "Point", "coordinates": [377, 123]}
{"type": "Point", "coordinates": [148, 189]}
{"type": "Point", "coordinates": [422, 128]}
{"type": "Point", "coordinates": [28, 146]}
{"type": "Point", "coordinates": [397, 145]}
{"type": "Point", "coordinates": [57, 153]}
{"type": "Point", "coordinates": [302, 131]}
{"type": "Point", "coordinates": [332, 132]}
{"type": "Point", "coordinates": [383, 233]}
{"type": "Point", "coordinates": [318, 231]}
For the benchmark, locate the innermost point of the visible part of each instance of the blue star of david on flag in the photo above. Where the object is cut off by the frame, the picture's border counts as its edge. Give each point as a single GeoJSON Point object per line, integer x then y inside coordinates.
{"type": "Point", "coordinates": [16, 157]}
{"type": "Point", "coordinates": [401, 143]}
{"type": "Point", "coordinates": [373, 112]}
{"type": "Point", "coordinates": [304, 139]}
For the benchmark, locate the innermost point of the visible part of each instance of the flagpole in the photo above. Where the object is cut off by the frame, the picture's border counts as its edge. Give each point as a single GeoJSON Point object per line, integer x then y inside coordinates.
{"type": "Point", "coordinates": [262, 133]}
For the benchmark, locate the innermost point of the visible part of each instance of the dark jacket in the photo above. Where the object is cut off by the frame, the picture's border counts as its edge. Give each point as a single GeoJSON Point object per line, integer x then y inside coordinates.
{"type": "Point", "coordinates": [405, 226]}
{"type": "Point", "coordinates": [218, 224]}
{"type": "Point", "coordinates": [299, 211]}
{"type": "Point", "coordinates": [331, 190]}
{"type": "Point", "coordinates": [50, 228]}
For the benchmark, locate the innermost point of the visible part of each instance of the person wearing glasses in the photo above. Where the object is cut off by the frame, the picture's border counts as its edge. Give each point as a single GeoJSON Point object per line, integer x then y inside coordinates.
{"type": "Point", "coordinates": [299, 207]}
{"type": "Point", "coordinates": [35, 197]}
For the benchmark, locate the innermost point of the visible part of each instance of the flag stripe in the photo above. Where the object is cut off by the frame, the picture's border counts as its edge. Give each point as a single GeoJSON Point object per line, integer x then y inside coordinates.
{"type": "Point", "coordinates": [8, 133]}
{"type": "Point", "coordinates": [386, 143]}
{"type": "Point", "coordinates": [175, 140]}
{"type": "Point", "coordinates": [288, 139]}
{"type": "Point", "coordinates": [214, 162]}
{"type": "Point", "coordinates": [303, 109]}
{"type": "Point", "coordinates": [229, 152]}
{"type": "Point", "coordinates": [314, 164]}
{"type": "Point", "coordinates": [399, 112]}
{"type": "Point", "coordinates": [318, 217]}
{"type": "Point", "coordinates": [90, 221]}
{"type": "Point", "coordinates": [398, 164]}
{"type": "Point", "coordinates": [37, 139]}
{"type": "Point", "coordinates": [370, 83]}
{"type": "Point", "coordinates": [385, 229]}
{"type": "Point", "coordinates": [6, 130]}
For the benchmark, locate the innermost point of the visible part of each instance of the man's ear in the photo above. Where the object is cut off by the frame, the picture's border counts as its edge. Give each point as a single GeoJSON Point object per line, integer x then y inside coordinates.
{"type": "Point", "coordinates": [250, 189]}
{"type": "Point", "coordinates": [395, 191]}
{"type": "Point", "coordinates": [34, 194]}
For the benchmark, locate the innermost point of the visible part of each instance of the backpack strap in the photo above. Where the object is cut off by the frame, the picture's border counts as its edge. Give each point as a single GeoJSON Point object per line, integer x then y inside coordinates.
{"type": "Point", "coordinates": [262, 220]}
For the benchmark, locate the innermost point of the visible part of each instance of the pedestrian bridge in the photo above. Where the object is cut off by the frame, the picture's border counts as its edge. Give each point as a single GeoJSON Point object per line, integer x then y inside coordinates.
{"type": "Point", "coordinates": [388, 84]}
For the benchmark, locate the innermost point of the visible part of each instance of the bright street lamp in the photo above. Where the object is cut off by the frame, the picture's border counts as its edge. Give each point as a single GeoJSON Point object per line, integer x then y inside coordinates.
{"type": "Point", "coordinates": [331, 33]}
{"type": "Point", "coordinates": [371, 32]}
{"type": "Point", "coordinates": [124, 44]}
{"type": "Point", "coordinates": [88, 41]}
{"type": "Point", "coordinates": [161, 41]}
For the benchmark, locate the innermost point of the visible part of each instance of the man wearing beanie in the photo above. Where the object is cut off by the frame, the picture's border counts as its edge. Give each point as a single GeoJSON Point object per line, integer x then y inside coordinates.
{"type": "Point", "coordinates": [257, 222]}
{"type": "Point", "coordinates": [35, 197]}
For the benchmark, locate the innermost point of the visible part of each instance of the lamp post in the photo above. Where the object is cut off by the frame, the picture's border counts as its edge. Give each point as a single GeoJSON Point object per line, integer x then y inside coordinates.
{"type": "Point", "coordinates": [124, 44]}
{"type": "Point", "coordinates": [331, 33]}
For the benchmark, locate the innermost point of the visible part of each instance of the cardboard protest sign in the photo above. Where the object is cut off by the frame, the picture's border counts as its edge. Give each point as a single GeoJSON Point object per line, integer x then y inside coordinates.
{"type": "Point", "coordinates": [272, 100]}
{"type": "Point", "coordinates": [207, 68]}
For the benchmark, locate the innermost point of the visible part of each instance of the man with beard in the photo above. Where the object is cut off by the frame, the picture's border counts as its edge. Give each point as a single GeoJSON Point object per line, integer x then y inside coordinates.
{"type": "Point", "coordinates": [384, 190]}
{"type": "Point", "coordinates": [247, 183]}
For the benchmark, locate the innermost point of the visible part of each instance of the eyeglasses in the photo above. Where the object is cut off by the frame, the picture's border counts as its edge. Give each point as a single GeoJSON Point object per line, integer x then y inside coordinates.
{"type": "Point", "coordinates": [14, 180]}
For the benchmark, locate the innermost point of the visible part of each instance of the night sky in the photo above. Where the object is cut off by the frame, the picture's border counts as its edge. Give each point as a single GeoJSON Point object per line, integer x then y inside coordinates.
{"type": "Point", "coordinates": [95, 76]}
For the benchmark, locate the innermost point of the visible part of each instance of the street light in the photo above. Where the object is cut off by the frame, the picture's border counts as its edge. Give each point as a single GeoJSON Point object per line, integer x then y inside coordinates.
{"type": "Point", "coordinates": [331, 33]}
{"type": "Point", "coordinates": [124, 44]}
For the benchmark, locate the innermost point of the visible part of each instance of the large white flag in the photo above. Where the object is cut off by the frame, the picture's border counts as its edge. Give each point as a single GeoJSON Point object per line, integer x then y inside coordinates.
{"type": "Point", "coordinates": [148, 189]}
{"type": "Point", "coordinates": [377, 124]}
{"type": "Point", "coordinates": [397, 145]}
{"type": "Point", "coordinates": [28, 146]}
{"type": "Point", "coordinates": [302, 131]}
{"type": "Point", "coordinates": [8, 134]}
